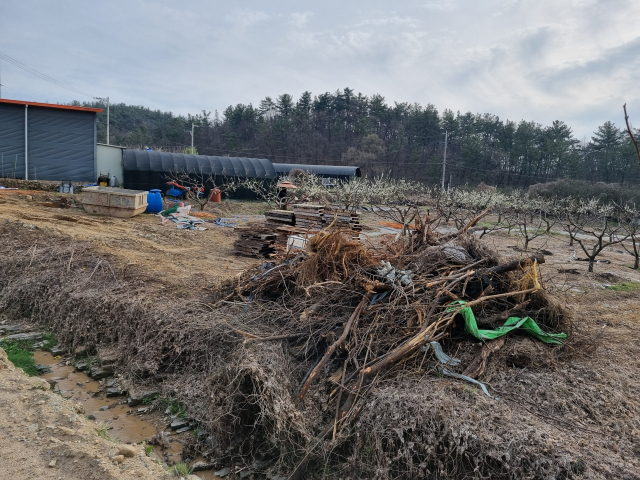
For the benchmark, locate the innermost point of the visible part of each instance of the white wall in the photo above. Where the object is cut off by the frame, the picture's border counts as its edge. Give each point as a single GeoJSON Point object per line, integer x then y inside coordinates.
{"type": "Point", "coordinates": [109, 162]}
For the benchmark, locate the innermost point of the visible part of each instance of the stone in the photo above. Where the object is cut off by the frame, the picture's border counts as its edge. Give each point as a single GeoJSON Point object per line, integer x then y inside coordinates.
{"type": "Point", "coordinates": [183, 429]}
{"type": "Point", "coordinates": [143, 410]}
{"type": "Point", "coordinates": [81, 351]}
{"type": "Point", "coordinates": [118, 458]}
{"type": "Point", "coordinates": [192, 477]}
{"type": "Point", "coordinates": [100, 372]}
{"type": "Point", "coordinates": [81, 366]}
{"type": "Point", "coordinates": [52, 463]}
{"type": "Point", "coordinates": [7, 329]}
{"type": "Point", "coordinates": [42, 369]}
{"type": "Point", "coordinates": [201, 466]}
{"type": "Point", "coordinates": [30, 337]}
{"type": "Point", "coordinates": [115, 392]}
{"type": "Point", "coordinates": [179, 423]}
{"type": "Point", "coordinates": [66, 430]}
{"type": "Point", "coordinates": [33, 427]}
{"type": "Point", "coordinates": [107, 356]}
{"type": "Point", "coordinates": [223, 472]}
{"type": "Point", "coordinates": [136, 397]}
{"type": "Point", "coordinates": [56, 351]}
{"type": "Point", "coordinates": [127, 451]}
{"type": "Point", "coordinates": [106, 407]}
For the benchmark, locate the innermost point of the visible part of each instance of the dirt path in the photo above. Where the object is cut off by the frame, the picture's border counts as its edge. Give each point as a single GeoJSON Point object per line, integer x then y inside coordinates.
{"type": "Point", "coordinates": [43, 436]}
{"type": "Point", "coordinates": [141, 241]}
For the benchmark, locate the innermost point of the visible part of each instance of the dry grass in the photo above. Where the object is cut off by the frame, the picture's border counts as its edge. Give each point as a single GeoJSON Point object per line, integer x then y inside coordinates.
{"type": "Point", "coordinates": [406, 422]}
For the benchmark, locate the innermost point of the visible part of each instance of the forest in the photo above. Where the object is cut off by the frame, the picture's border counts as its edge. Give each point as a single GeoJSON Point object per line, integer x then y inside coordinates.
{"type": "Point", "coordinates": [402, 140]}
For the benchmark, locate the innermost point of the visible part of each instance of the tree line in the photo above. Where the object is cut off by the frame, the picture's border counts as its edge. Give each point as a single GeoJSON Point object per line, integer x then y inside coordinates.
{"type": "Point", "coordinates": [404, 140]}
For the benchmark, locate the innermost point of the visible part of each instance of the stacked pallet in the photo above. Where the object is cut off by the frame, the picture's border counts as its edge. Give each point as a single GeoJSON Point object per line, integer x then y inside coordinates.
{"type": "Point", "coordinates": [284, 231]}
{"type": "Point", "coordinates": [278, 218]}
{"type": "Point", "coordinates": [254, 241]}
{"type": "Point", "coordinates": [344, 219]}
{"type": "Point", "coordinates": [309, 216]}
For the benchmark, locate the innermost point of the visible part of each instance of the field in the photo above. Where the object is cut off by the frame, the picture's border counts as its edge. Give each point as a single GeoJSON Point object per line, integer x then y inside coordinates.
{"type": "Point", "coordinates": [572, 412]}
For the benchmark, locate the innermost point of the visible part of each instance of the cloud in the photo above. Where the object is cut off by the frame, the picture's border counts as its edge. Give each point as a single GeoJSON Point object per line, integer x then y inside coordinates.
{"type": "Point", "coordinates": [300, 20]}
{"type": "Point", "coordinates": [538, 60]}
{"type": "Point", "coordinates": [442, 5]}
{"type": "Point", "coordinates": [246, 17]}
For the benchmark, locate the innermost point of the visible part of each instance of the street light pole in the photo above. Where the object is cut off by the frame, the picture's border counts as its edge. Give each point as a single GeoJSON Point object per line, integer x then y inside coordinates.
{"type": "Point", "coordinates": [107, 99]}
{"type": "Point", "coordinates": [444, 161]}
{"type": "Point", "coordinates": [193, 126]}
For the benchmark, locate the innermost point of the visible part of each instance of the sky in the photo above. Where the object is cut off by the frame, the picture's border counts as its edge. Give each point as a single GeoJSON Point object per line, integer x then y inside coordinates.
{"type": "Point", "coordinates": [543, 60]}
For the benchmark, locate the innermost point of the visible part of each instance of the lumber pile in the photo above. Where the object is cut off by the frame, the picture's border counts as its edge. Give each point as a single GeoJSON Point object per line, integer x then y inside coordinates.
{"type": "Point", "coordinates": [308, 215]}
{"type": "Point", "coordinates": [278, 218]}
{"type": "Point", "coordinates": [344, 218]}
{"type": "Point", "coordinates": [254, 241]}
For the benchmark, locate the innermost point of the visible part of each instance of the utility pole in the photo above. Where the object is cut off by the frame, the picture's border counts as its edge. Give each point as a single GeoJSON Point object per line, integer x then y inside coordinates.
{"type": "Point", "coordinates": [193, 126]}
{"type": "Point", "coordinates": [107, 99]}
{"type": "Point", "coordinates": [444, 161]}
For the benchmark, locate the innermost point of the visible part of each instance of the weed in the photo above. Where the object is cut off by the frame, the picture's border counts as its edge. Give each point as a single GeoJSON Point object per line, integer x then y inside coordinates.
{"type": "Point", "coordinates": [90, 361]}
{"type": "Point", "coordinates": [49, 341]}
{"type": "Point", "coordinates": [173, 406]}
{"type": "Point", "coordinates": [626, 287]}
{"type": "Point", "coordinates": [103, 431]}
{"type": "Point", "coordinates": [148, 450]}
{"type": "Point", "coordinates": [181, 469]}
{"type": "Point", "coordinates": [150, 400]}
{"type": "Point", "coordinates": [21, 355]}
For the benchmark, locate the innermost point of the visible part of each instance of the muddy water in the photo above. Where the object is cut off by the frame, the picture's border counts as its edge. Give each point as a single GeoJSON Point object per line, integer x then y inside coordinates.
{"type": "Point", "coordinates": [126, 425]}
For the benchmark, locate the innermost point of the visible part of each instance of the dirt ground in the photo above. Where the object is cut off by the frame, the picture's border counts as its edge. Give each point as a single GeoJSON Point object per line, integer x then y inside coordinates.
{"type": "Point", "coordinates": [139, 241]}
{"type": "Point", "coordinates": [599, 384]}
{"type": "Point", "coordinates": [44, 436]}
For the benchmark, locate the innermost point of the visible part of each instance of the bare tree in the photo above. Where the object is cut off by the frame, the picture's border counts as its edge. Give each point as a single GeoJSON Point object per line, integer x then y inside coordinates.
{"type": "Point", "coordinates": [530, 217]}
{"type": "Point", "coordinates": [631, 224]}
{"type": "Point", "coordinates": [396, 200]}
{"type": "Point", "coordinates": [601, 223]}
{"type": "Point", "coordinates": [633, 140]}
{"type": "Point", "coordinates": [350, 194]}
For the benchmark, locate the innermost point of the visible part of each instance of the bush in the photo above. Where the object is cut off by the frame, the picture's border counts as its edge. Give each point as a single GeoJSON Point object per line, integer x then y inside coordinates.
{"type": "Point", "coordinates": [579, 189]}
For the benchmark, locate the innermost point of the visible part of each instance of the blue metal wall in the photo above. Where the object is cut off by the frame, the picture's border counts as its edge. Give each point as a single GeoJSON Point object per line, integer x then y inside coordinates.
{"type": "Point", "coordinates": [12, 141]}
{"type": "Point", "coordinates": [61, 143]}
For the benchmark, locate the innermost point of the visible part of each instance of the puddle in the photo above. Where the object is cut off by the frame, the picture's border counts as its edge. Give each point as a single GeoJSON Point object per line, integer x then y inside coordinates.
{"type": "Point", "coordinates": [127, 426]}
{"type": "Point", "coordinates": [77, 386]}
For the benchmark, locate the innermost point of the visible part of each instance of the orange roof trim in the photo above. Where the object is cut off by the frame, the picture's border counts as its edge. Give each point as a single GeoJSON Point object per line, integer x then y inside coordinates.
{"type": "Point", "coordinates": [50, 105]}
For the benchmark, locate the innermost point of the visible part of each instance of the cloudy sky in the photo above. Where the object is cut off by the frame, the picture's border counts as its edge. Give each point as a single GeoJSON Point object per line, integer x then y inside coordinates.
{"type": "Point", "coordinates": [542, 60]}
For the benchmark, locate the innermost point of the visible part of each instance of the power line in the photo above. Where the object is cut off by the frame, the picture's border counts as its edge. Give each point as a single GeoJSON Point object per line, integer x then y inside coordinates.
{"type": "Point", "coordinates": [42, 76]}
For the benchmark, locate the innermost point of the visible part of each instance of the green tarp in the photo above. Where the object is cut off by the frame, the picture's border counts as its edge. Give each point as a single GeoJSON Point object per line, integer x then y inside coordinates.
{"type": "Point", "coordinates": [512, 323]}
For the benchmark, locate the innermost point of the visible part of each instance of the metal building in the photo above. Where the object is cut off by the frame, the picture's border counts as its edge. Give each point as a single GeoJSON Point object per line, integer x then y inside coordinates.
{"type": "Point", "coordinates": [324, 171]}
{"type": "Point", "coordinates": [41, 141]}
{"type": "Point", "coordinates": [144, 169]}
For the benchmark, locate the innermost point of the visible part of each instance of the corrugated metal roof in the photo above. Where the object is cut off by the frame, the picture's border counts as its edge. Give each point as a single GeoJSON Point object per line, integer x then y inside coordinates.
{"type": "Point", "coordinates": [326, 170]}
{"type": "Point", "coordinates": [149, 161]}
{"type": "Point", "coordinates": [50, 105]}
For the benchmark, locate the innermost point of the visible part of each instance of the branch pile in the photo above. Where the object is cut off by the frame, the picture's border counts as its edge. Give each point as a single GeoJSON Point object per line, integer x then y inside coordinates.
{"type": "Point", "coordinates": [351, 318]}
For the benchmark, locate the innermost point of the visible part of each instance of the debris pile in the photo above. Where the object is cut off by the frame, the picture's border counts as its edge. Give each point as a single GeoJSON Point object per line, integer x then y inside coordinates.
{"type": "Point", "coordinates": [278, 218]}
{"type": "Point", "coordinates": [351, 319]}
{"type": "Point", "coordinates": [308, 216]}
{"type": "Point", "coordinates": [254, 241]}
{"type": "Point", "coordinates": [344, 219]}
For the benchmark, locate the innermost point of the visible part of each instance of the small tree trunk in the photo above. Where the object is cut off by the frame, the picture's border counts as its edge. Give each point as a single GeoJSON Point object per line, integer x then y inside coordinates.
{"type": "Point", "coordinates": [526, 243]}
{"type": "Point", "coordinates": [591, 262]}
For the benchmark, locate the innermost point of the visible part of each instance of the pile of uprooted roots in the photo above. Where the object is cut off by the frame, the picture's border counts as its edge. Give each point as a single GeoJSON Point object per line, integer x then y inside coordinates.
{"type": "Point", "coordinates": [326, 330]}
